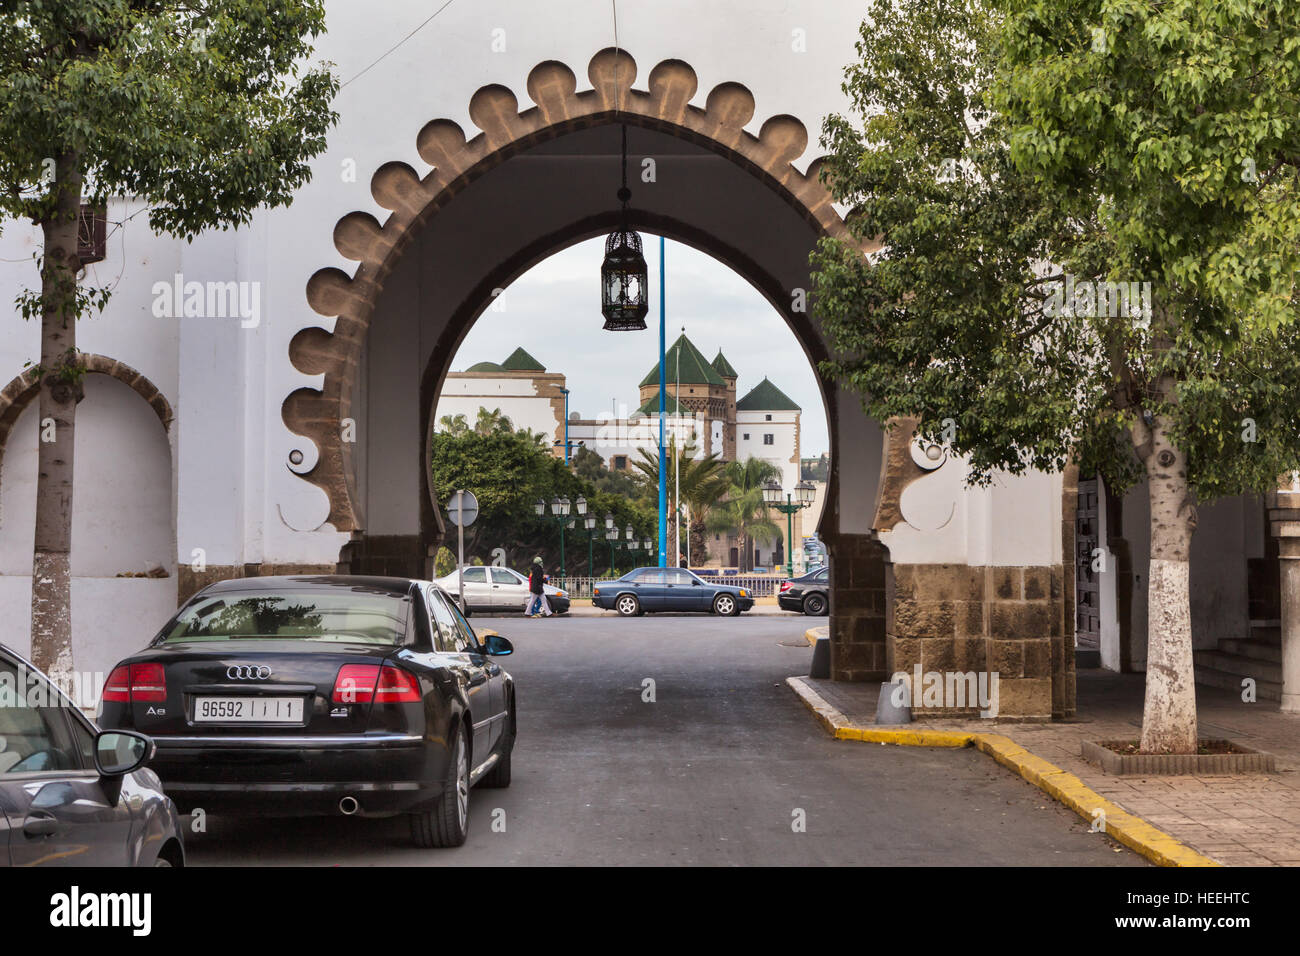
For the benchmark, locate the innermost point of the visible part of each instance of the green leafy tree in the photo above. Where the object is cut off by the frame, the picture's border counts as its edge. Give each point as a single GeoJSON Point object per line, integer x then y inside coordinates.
{"type": "Point", "coordinates": [444, 562]}
{"type": "Point", "coordinates": [590, 467]}
{"type": "Point", "coordinates": [695, 484]}
{"type": "Point", "coordinates": [1022, 169]}
{"type": "Point", "coordinates": [509, 471]}
{"type": "Point", "coordinates": [742, 511]}
{"type": "Point", "coordinates": [202, 108]}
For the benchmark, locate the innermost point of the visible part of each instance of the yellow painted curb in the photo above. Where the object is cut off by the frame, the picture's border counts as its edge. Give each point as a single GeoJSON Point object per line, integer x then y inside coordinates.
{"type": "Point", "coordinates": [813, 633]}
{"type": "Point", "coordinates": [1126, 828]}
{"type": "Point", "coordinates": [905, 738]}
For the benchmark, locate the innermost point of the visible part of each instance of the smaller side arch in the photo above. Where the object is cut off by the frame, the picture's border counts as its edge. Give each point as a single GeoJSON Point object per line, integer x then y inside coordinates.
{"type": "Point", "coordinates": [23, 389]}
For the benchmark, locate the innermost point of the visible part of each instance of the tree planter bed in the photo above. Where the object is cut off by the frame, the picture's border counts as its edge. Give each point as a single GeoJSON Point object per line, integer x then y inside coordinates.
{"type": "Point", "coordinates": [1241, 760]}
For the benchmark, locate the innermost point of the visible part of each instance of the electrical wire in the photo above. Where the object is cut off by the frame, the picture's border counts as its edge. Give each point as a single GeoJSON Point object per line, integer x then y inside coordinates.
{"type": "Point", "coordinates": [394, 47]}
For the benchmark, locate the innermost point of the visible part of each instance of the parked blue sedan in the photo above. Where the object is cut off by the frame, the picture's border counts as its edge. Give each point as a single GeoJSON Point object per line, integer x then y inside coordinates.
{"type": "Point", "coordinates": [669, 589]}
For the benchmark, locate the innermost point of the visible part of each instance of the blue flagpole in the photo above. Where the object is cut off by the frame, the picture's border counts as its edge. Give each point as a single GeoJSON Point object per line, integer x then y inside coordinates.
{"type": "Point", "coordinates": [663, 405]}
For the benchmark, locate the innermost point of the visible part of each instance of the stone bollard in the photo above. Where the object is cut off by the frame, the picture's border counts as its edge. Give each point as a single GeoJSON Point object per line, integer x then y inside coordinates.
{"type": "Point", "coordinates": [887, 712]}
{"type": "Point", "coordinates": [821, 662]}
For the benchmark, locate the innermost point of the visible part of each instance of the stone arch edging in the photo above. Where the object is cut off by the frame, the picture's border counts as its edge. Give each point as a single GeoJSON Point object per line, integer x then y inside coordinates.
{"type": "Point", "coordinates": [23, 389]}
{"type": "Point", "coordinates": [458, 160]}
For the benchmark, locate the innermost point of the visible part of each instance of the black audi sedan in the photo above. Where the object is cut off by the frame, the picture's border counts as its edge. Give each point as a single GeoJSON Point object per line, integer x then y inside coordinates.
{"type": "Point", "coordinates": [71, 795]}
{"type": "Point", "coordinates": [321, 695]}
{"type": "Point", "coordinates": [807, 593]}
{"type": "Point", "coordinates": [644, 590]}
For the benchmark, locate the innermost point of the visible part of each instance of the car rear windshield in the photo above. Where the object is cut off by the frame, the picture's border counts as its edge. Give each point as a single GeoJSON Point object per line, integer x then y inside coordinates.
{"type": "Point", "coordinates": [347, 616]}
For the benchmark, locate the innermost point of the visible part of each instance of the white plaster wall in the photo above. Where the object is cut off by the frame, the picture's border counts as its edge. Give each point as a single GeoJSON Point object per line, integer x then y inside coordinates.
{"type": "Point", "coordinates": [121, 523]}
{"type": "Point", "coordinates": [784, 429]}
{"type": "Point", "coordinates": [1223, 540]}
{"type": "Point", "coordinates": [112, 618]}
{"type": "Point", "coordinates": [1108, 642]}
{"type": "Point", "coordinates": [536, 413]}
{"type": "Point", "coordinates": [121, 503]}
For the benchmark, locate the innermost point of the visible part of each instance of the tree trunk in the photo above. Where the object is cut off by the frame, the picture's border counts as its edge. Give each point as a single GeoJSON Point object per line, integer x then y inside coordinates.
{"type": "Point", "coordinates": [61, 389]}
{"type": "Point", "coordinates": [1169, 710]}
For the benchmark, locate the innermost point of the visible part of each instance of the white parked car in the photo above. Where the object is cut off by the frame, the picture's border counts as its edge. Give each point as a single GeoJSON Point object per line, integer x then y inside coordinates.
{"type": "Point", "coordinates": [492, 590]}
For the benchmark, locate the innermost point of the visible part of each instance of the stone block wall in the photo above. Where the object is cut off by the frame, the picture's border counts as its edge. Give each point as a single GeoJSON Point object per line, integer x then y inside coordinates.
{"type": "Point", "coordinates": [1008, 621]}
{"type": "Point", "coordinates": [858, 607]}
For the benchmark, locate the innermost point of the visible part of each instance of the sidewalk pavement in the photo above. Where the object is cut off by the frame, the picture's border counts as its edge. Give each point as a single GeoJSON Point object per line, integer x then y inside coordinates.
{"type": "Point", "coordinates": [763, 606]}
{"type": "Point", "coordinates": [1238, 820]}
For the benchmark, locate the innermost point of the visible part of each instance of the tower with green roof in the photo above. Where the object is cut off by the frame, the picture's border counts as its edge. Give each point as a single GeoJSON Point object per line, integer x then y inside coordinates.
{"type": "Point", "coordinates": [698, 387]}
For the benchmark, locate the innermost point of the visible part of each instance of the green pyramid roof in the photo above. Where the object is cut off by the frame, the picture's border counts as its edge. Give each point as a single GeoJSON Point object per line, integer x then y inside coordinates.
{"type": "Point", "coordinates": [651, 406]}
{"type": "Point", "coordinates": [693, 370]}
{"type": "Point", "coordinates": [768, 398]}
{"type": "Point", "coordinates": [484, 367]}
{"type": "Point", "coordinates": [521, 361]}
{"type": "Point", "coordinates": [723, 367]}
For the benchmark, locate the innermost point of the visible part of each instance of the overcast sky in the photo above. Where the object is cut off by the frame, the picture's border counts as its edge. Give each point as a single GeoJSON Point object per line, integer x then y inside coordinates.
{"type": "Point", "coordinates": [553, 311]}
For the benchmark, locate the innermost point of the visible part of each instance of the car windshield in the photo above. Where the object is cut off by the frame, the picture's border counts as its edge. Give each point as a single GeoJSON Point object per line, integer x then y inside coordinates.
{"type": "Point", "coordinates": [346, 616]}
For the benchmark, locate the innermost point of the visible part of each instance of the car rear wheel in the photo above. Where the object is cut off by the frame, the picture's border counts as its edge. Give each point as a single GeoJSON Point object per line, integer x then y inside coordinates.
{"type": "Point", "coordinates": [627, 605]}
{"type": "Point", "coordinates": [726, 605]}
{"type": "Point", "coordinates": [814, 605]}
{"type": "Point", "coordinates": [447, 824]}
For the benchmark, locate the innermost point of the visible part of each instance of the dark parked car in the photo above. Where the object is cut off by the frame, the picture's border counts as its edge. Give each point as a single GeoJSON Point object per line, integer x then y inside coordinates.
{"type": "Point", "coordinates": [669, 589]}
{"type": "Point", "coordinates": [69, 794]}
{"type": "Point", "coordinates": [808, 593]}
{"type": "Point", "coordinates": [320, 695]}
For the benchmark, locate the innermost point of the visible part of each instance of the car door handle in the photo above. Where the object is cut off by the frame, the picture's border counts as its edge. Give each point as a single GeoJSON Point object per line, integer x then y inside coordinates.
{"type": "Point", "coordinates": [40, 825]}
{"type": "Point", "coordinates": [493, 670]}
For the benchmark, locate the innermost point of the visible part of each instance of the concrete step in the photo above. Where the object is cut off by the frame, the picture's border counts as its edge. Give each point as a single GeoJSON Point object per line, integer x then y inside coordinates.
{"type": "Point", "coordinates": [1264, 690]}
{"type": "Point", "coordinates": [1254, 649]}
{"type": "Point", "coordinates": [1239, 665]}
{"type": "Point", "coordinates": [1269, 633]}
{"type": "Point", "coordinates": [1230, 673]}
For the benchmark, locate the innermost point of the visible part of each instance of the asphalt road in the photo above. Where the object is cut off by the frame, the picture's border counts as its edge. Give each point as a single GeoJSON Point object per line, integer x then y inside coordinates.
{"type": "Point", "coordinates": [716, 770]}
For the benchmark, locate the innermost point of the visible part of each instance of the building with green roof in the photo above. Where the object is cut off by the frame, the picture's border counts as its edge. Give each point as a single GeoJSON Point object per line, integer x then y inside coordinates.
{"type": "Point", "coordinates": [766, 397]}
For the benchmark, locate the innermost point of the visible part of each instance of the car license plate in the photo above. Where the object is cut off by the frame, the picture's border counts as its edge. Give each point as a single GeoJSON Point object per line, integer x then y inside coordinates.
{"type": "Point", "coordinates": [256, 710]}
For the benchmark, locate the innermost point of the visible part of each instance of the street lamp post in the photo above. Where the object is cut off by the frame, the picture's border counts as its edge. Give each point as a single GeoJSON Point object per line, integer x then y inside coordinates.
{"type": "Point", "coordinates": [611, 535]}
{"type": "Point", "coordinates": [560, 515]}
{"type": "Point", "coordinates": [589, 522]}
{"type": "Point", "coordinates": [804, 492]}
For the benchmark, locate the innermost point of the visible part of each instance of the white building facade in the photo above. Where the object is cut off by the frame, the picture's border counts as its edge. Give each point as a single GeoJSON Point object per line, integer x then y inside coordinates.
{"type": "Point", "coordinates": [291, 435]}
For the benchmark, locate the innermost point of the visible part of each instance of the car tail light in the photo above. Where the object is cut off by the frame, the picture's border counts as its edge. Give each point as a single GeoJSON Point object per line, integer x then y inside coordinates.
{"type": "Point", "coordinates": [148, 682]}
{"type": "Point", "coordinates": [396, 686]}
{"type": "Point", "coordinates": [117, 688]}
{"type": "Point", "coordinates": [785, 586]}
{"type": "Point", "coordinates": [355, 684]}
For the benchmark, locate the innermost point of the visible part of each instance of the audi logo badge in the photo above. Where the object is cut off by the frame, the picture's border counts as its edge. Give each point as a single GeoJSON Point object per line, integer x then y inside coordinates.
{"type": "Point", "coordinates": [248, 672]}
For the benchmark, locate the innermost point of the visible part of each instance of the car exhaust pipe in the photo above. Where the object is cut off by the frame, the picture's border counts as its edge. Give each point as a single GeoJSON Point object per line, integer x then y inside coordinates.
{"type": "Point", "coordinates": [349, 806]}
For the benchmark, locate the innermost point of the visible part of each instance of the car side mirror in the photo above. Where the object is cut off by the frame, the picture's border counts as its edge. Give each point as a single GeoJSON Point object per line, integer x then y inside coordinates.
{"type": "Point", "coordinates": [119, 752]}
{"type": "Point", "coordinates": [494, 645]}
{"type": "Point", "coordinates": [697, 583]}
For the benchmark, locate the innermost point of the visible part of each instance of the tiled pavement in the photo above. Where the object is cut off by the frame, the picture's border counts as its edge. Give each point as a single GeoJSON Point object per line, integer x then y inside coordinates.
{"type": "Point", "coordinates": [1240, 820]}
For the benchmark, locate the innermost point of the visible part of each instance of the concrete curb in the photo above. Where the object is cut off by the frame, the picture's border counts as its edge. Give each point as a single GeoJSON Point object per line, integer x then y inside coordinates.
{"type": "Point", "coordinates": [1132, 831]}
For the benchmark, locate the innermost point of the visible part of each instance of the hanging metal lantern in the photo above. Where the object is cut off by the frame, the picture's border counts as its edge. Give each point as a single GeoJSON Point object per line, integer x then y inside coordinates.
{"type": "Point", "coordinates": [623, 299]}
{"type": "Point", "coordinates": [624, 285]}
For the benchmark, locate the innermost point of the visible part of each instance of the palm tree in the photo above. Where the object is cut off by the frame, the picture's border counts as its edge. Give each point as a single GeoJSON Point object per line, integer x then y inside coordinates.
{"type": "Point", "coordinates": [743, 512]}
{"type": "Point", "coordinates": [492, 423]}
{"type": "Point", "coordinates": [694, 481]}
{"type": "Point", "coordinates": [454, 425]}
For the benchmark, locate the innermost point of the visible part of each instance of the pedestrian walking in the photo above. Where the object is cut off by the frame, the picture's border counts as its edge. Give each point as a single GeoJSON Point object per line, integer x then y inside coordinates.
{"type": "Point", "coordinates": [536, 589]}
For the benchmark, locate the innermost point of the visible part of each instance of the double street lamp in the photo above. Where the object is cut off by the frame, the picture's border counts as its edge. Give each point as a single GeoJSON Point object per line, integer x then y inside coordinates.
{"type": "Point", "coordinates": [804, 493]}
{"type": "Point", "coordinates": [612, 536]}
{"type": "Point", "coordinates": [560, 514]}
